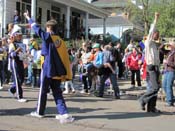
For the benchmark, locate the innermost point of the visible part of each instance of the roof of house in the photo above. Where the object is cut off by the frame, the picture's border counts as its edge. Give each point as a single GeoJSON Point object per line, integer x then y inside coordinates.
{"type": "Point", "coordinates": [110, 3]}
{"type": "Point", "coordinates": [110, 21]}
{"type": "Point", "coordinates": [85, 6]}
{"type": "Point", "coordinates": [121, 3]}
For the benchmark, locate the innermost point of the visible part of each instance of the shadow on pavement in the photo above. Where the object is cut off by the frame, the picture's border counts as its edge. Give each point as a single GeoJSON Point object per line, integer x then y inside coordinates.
{"type": "Point", "coordinates": [29, 99]}
{"type": "Point", "coordinates": [84, 99]}
{"type": "Point", "coordinates": [7, 130]}
{"type": "Point", "coordinates": [122, 115]}
{"type": "Point", "coordinates": [49, 111]}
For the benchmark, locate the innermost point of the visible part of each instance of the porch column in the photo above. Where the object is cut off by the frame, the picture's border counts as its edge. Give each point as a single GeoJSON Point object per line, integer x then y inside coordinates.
{"type": "Point", "coordinates": [86, 26]}
{"type": "Point", "coordinates": [1, 17]}
{"type": "Point", "coordinates": [4, 17]}
{"type": "Point", "coordinates": [33, 9]}
{"type": "Point", "coordinates": [104, 26]}
{"type": "Point", "coordinates": [68, 22]}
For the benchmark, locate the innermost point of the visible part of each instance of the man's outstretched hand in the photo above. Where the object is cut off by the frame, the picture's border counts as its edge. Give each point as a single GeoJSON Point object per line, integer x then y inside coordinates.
{"type": "Point", "coordinates": [26, 15]}
{"type": "Point", "coordinates": [157, 15]}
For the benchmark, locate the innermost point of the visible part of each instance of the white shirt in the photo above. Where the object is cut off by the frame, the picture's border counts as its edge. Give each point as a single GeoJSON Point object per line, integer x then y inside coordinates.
{"type": "Point", "coordinates": [151, 48]}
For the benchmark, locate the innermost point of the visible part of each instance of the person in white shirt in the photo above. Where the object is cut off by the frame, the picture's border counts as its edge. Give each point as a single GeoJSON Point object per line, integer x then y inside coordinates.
{"type": "Point", "coordinates": [153, 61]}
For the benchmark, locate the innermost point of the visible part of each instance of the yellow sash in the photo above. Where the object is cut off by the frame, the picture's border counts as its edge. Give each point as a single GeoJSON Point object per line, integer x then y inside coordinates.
{"type": "Point", "coordinates": [1, 57]}
{"type": "Point", "coordinates": [62, 51]}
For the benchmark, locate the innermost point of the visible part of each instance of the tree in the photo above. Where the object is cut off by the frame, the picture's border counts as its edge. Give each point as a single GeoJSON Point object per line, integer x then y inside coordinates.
{"type": "Point", "coordinates": [166, 8]}
{"type": "Point", "coordinates": [166, 24]}
{"type": "Point", "coordinates": [137, 15]}
{"type": "Point", "coordinates": [134, 13]}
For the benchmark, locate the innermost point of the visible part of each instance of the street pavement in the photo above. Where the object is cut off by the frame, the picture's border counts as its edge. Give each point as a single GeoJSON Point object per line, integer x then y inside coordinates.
{"type": "Point", "coordinates": [91, 113]}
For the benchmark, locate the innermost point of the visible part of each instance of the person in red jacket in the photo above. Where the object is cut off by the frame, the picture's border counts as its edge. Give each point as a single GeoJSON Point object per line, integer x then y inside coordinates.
{"type": "Point", "coordinates": [134, 64]}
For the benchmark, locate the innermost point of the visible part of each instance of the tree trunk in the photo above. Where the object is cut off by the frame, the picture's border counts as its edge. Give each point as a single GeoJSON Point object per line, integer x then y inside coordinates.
{"type": "Point", "coordinates": [146, 28]}
{"type": "Point", "coordinates": [145, 15]}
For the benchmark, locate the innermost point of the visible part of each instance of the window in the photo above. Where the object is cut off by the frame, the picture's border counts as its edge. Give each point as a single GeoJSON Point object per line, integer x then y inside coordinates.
{"type": "Point", "coordinates": [48, 15]}
{"type": "Point", "coordinates": [27, 1]}
{"type": "Point", "coordinates": [55, 16]}
{"type": "Point", "coordinates": [18, 6]}
{"type": "Point", "coordinates": [55, 13]}
{"type": "Point", "coordinates": [39, 15]}
{"type": "Point", "coordinates": [56, 9]}
{"type": "Point", "coordinates": [21, 7]}
{"type": "Point", "coordinates": [25, 7]}
{"type": "Point", "coordinates": [76, 24]}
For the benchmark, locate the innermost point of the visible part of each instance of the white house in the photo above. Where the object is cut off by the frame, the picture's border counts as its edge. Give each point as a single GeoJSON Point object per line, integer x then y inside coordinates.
{"type": "Point", "coordinates": [72, 15]}
{"type": "Point", "coordinates": [118, 22]}
{"type": "Point", "coordinates": [114, 26]}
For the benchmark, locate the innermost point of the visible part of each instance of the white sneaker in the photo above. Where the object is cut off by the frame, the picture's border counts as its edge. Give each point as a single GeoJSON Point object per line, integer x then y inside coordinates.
{"type": "Point", "coordinates": [1, 87]}
{"type": "Point", "coordinates": [132, 87]}
{"type": "Point", "coordinates": [65, 92]}
{"type": "Point", "coordinates": [10, 83]}
{"type": "Point", "coordinates": [122, 78]}
{"type": "Point", "coordinates": [73, 90]}
{"type": "Point", "coordinates": [22, 100]}
{"type": "Point", "coordinates": [122, 93]}
{"type": "Point", "coordinates": [82, 92]}
{"type": "Point", "coordinates": [35, 114]}
{"type": "Point", "coordinates": [66, 118]}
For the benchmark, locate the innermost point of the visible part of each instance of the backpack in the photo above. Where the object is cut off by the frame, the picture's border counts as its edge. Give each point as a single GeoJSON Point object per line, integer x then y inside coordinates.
{"type": "Point", "coordinates": [115, 54]}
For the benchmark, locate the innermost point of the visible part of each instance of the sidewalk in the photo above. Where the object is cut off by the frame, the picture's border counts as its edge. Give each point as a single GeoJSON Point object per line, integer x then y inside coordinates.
{"type": "Point", "coordinates": [91, 114]}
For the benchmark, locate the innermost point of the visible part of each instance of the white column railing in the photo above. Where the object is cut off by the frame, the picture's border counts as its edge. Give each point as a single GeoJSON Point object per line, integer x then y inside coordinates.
{"type": "Point", "coordinates": [33, 9]}
{"type": "Point", "coordinates": [86, 26]}
{"type": "Point", "coordinates": [68, 22]}
{"type": "Point", "coordinates": [104, 26]}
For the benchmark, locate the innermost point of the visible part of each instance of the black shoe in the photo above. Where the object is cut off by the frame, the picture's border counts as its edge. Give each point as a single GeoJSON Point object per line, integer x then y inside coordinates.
{"type": "Point", "coordinates": [154, 110]}
{"type": "Point", "coordinates": [27, 83]}
{"type": "Point", "coordinates": [142, 105]}
{"type": "Point", "coordinates": [117, 97]}
{"type": "Point", "coordinates": [100, 96]}
{"type": "Point", "coordinates": [11, 93]}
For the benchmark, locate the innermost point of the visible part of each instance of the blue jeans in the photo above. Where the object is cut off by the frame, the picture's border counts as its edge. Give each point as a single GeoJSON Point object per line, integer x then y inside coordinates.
{"type": "Point", "coordinates": [148, 82]}
{"type": "Point", "coordinates": [148, 85]}
{"type": "Point", "coordinates": [167, 84]}
{"type": "Point", "coordinates": [150, 97]}
{"type": "Point", "coordinates": [114, 83]}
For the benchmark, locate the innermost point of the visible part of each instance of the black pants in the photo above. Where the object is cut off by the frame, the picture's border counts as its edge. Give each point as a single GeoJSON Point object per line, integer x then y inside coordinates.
{"type": "Point", "coordinates": [18, 78]}
{"type": "Point", "coordinates": [137, 73]}
{"type": "Point", "coordinates": [114, 83]}
{"type": "Point", "coordinates": [150, 97]}
{"type": "Point", "coordinates": [85, 81]}
{"type": "Point", "coordinates": [121, 69]}
{"type": "Point", "coordinates": [35, 81]}
{"type": "Point", "coordinates": [1, 72]}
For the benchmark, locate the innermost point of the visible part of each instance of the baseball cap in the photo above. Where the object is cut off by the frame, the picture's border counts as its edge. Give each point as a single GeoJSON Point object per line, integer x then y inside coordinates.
{"type": "Point", "coordinates": [96, 45]}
